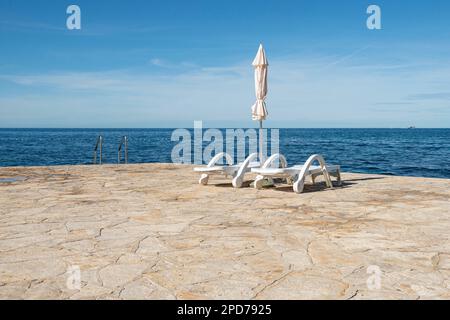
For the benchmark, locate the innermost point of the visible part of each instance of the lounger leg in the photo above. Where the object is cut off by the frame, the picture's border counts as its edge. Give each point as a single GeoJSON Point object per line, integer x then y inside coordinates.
{"type": "Point", "coordinates": [259, 182]}
{"type": "Point", "coordinates": [326, 175]}
{"type": "Point", "coordinates": [338, 176]}
{"type": "Point", "coordinates": [299, 185]}
{"type": "Point", "coordinates": [291, 179]}
{"type": "Point", "coordinates": [204, 179]}
{"type": "Point", "coordinates": [237, 181]}
{"type": "Point", "coordinates": [238, 178]}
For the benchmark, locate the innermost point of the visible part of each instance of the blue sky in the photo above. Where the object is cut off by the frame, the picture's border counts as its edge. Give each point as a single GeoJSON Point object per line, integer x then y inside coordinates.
{"type": "Point", "coordinates": [168, 63]}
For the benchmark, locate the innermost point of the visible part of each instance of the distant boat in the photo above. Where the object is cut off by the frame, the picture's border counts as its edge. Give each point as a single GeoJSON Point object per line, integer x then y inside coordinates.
{"type": "Point", "coordinates": [412, 127]}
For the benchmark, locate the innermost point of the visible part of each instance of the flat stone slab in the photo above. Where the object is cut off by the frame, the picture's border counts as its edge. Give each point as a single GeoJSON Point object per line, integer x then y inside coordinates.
{"type": "Point", "coordinates": [149, 231]}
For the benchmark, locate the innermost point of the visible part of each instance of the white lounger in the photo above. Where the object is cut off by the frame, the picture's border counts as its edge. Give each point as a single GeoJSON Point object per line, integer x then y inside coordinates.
{"type": "Point", "coordinates": [236, 171]}
{"type": "Point", "coordinates": [297, 174]}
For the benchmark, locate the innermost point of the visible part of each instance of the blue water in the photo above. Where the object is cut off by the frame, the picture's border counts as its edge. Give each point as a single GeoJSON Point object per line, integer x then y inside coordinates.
{"type": "Point", "coordinates": [415, 152]}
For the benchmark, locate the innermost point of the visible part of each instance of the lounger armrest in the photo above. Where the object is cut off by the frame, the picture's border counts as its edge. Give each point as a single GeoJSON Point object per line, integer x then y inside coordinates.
{"type": "Point", "coordinates": [239, 178]}
{"type": "Point", "coordinates": [299, 183]}
{"type": "Point", "coordinates": [277, 160]}
{"type": "Point", "coordinates": [218, 157]}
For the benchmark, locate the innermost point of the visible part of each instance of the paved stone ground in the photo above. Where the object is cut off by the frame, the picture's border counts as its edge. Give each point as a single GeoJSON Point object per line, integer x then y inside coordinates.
{"type": "Point", "coordinates": [149, 231]}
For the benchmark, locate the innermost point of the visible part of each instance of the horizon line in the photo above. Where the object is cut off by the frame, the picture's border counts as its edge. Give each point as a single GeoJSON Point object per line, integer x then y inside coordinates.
{"type": "Point", "coordinates": [226, 127]}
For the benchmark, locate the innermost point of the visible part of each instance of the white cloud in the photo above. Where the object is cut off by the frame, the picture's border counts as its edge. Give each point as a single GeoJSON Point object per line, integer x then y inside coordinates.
{"type": "Point", "coordinates": [301, 93]}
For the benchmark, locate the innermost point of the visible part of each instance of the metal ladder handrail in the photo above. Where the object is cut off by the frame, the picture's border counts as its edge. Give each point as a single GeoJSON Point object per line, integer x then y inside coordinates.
{"type": "Point", "coordinates": [98, 144]}
{"type": "Point", "coordinates": [124, 143]}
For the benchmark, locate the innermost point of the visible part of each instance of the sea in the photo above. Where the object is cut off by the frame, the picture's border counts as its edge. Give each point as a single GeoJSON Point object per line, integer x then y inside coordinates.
{"type": "Point", "coordinates": [404, 152]}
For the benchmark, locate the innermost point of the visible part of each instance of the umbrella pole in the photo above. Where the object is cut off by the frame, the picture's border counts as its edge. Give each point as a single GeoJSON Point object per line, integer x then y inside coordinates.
{"type": "Point", "coordinates": [260, 142]}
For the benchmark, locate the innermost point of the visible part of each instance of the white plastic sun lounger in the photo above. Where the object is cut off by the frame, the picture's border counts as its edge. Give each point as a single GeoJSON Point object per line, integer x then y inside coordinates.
{"type": "Point", "coordinates": [236, 171]}
{"type": "Point", "coordinates": [297, 174]}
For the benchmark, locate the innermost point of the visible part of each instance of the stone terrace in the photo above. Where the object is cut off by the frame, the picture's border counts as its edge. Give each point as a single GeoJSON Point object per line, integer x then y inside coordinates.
{"type": "Point", "coordinates": [150, 231]}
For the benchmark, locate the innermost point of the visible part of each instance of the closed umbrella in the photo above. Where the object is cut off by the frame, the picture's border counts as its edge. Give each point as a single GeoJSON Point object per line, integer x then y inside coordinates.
{"type": "Point", "coordinates": [259, 110]}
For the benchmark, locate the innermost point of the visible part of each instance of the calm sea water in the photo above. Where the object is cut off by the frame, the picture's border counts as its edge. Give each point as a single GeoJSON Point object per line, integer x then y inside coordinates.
{"type": "Point", "coordinates": [415, 152]}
